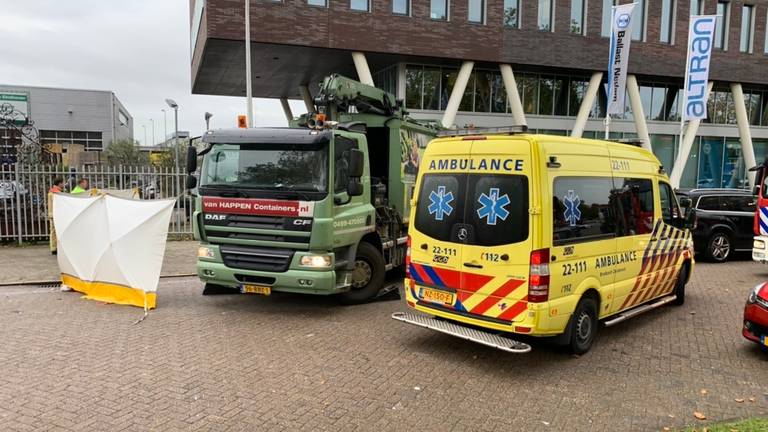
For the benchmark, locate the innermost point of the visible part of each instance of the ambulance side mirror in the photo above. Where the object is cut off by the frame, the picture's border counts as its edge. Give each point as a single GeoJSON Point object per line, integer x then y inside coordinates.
{"type": "Point", "coordinates": [690, 218]}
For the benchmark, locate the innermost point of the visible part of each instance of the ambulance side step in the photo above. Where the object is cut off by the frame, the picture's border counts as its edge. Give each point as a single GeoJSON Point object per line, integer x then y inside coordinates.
{"type": "Point", "coordinates": [478, 336]}
{"type": "Point", "coordinates": [638, 310]}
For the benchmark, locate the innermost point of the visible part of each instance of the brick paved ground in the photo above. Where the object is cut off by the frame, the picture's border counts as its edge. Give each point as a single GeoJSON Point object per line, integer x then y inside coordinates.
{"type": "Point", "coordinates": [304, 363]}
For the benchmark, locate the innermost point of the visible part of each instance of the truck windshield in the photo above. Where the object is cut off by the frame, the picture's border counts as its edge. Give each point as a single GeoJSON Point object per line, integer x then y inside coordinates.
{"type": "Point", "coordinates": [267, 167]}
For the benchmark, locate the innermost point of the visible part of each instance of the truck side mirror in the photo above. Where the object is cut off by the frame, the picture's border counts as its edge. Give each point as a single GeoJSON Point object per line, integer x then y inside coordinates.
{"type": "Point", "coordinates": [354, 188]}
{"type": "Point", "coordinates": [191, 182]}
{"type": "Point", "coordinates": [191, 161]}
{"type": "Point", "coordinates": [356, 163]}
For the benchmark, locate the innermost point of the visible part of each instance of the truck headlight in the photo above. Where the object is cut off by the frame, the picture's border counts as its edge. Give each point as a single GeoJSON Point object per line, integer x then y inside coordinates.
{"type": "Point", "coordinates": [205, 252]}
{"type": "Point", "coordinates": [758, 244]}
{"type": "Point", "coordinates": [316, 261]}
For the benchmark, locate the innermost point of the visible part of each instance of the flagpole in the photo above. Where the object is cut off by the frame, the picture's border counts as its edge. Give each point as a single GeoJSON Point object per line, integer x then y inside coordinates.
{"type": "Point", "coordinates": [607, 123]}
{"type": "Point", "coordinates": [685, 84]}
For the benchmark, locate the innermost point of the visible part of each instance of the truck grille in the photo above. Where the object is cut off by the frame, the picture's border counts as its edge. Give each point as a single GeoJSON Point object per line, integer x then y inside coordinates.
{"type": "Point", "coordinates": [256, 236]}
{"type": "Point", "coordinates": [259, 222]}
{"type": "Point", "coordinates": [259, 259]}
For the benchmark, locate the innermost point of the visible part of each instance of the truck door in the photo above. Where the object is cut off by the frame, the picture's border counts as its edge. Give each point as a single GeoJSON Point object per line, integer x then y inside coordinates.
{"type": "Point", "coordinates": [497, 232]}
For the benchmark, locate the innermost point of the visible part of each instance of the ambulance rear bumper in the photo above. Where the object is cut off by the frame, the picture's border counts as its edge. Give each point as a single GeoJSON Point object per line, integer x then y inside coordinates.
{"type": "Point", "coordinates": [478, 336]}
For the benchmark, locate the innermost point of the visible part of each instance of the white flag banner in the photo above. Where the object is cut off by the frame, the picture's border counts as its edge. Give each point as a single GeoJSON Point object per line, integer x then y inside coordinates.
{"type": "Point", "coordinates": [700, 40]}
{"type": "Point", "coordinates": [621, 38]}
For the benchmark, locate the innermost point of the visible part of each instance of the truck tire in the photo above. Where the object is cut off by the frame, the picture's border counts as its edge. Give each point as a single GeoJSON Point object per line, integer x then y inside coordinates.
{"type": "Point", "coordinates": [583, 326]}
{"type": "Point", "coordinates": [718, 247]}
{"type": "Point", "coordinates": [367, 275]}
{"type": "Point", "coordinates": [679, 291]}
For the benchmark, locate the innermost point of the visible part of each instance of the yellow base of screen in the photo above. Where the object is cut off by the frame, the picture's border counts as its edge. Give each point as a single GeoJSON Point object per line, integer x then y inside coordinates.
{"type": "Point", "coordinates": [111, 293]}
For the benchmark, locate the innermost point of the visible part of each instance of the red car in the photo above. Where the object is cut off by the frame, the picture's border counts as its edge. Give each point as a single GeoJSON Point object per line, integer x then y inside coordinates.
{"type": "Point", "coordinates": [756, 316]}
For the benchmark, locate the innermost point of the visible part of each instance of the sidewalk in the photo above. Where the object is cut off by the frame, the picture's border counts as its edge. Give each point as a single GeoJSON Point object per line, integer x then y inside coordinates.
{"type": "Point", "coordinates": [20, 265]}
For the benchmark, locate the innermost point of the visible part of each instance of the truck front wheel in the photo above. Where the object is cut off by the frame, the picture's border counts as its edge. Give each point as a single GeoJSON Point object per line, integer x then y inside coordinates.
{"type": "Point", "coordinates": [367, 275]}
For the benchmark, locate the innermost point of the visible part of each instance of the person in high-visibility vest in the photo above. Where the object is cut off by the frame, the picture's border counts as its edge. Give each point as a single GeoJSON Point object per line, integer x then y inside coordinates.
{"type": "Point", "coordinates": [81, 186]}
{"type": "Point", "coordinates": [58, 187]}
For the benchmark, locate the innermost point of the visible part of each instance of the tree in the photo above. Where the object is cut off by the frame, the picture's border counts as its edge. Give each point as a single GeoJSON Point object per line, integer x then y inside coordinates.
{"type": "Point", "coordinates": [166, 158]}
{"type": "Point", "coordinates": [124, 152]}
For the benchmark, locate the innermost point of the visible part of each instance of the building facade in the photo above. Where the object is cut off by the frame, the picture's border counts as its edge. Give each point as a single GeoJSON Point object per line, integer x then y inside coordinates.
{"type": "Point", "coordinates": [459, 61]}
{"type": "Point", "coordinates": [63, 117]}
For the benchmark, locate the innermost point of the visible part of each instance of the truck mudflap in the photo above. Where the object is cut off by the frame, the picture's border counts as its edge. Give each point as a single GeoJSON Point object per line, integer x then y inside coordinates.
{"type": "Point", "coordinates": [478, 336]}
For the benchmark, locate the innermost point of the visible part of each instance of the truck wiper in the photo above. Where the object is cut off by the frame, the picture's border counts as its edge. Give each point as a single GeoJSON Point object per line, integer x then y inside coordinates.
{"type": "Point", "coordinates": [229, 190]}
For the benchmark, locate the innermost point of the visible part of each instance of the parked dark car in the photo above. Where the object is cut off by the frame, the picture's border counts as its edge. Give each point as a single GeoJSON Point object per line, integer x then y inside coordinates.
{"type": "Point", "coordinates": [724, 219]}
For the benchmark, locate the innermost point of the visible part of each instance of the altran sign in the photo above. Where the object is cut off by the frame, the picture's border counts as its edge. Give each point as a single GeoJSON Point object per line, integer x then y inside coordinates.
{"type": "Point", "coordinates": [700, 39]}
{"type": "Point", "coordinates": [621, 37]}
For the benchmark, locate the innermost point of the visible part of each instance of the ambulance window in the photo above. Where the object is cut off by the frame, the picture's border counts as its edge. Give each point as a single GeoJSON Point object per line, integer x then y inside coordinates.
{"type": "Point", "coordinates": [669, 209]}
{"type": "Point", "coordinates": [582, 209]}
{"type": "Point", "coordinates": [441, 203]}
{"type": "Point", "coordinates": [498, 211]}
{"type": "Point", "coordinates": [635, 200]}
{"type": "Point", "coordinates": [709, 203]}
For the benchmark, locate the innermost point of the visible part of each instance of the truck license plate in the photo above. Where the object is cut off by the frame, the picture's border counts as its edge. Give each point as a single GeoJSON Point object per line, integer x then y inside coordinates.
{"type": "Point", "coordinates": [437, 296]}
{"type": "Point", "coordinates": [256, 289]}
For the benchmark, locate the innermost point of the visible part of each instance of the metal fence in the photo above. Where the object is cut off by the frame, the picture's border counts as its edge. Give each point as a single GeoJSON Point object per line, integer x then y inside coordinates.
{"type": "Point", "coordinates": [24, 195]}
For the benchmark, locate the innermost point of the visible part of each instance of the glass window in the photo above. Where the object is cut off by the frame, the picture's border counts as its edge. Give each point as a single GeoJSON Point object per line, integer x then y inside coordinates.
{"type": "Point", "coordinates": [697, 7]}
{"type": "Point", "coordinates": [476, 12]}
{"type": "Point", "coordinates": [483, 91]}
{"type": "Point", "coordinates": [605, 30]}
{"type": "Point", "coordinates": [401, 7]}
{"type": "Point", "coordinates": [359, 5]}
{"type": "Point", "coordinates": [635, 202]}
{"type": "Point", "coordinates": [431, 88]}
{"type": "Point", "coordinates": [765, 45]}
{"type": "Point", "coordinates": [664, 149]}
{"type": "Point", "coordinates": [709, 202]}
{"type": "Point", "coordinates": [341, 152]}
{"type": "Point", "coordinates": [545, 15]}
{"type": "Point", "coordinates": [438, 10]}
{"type": "Point", "coordinates": [493, 222]}
{"type": "Point", "coordinates": [491, 212]}
{"type": "Point", "coordinates": [669, 209]}
{"type": "Point", "coordinates": [499, 94]}
{"type": "Point", "coordinates": [658, 104]}
{"type": "Point", "coordinates": [734, 172]}
{"type": "Point", "coordinates": [738, 203]}
{"type": "Point", "coordinates": [577, 16]}
{"type": "Point", "coordinates": [530, 93]}
{"type": "Point", "coordinates": [546, 95]}
{"type": "Point", "coordinates": [638, 15]}
{"type": "Point", "coordinates": [577, 88]}
{"type": "Point", "coordinates": [745, 41]}
{"type": "Point", "coordinates": [646, 96]}
{"type": "Point", "coordinates": [690, 173]}
{"type": "Point", "coordinates": [667, 20]}
{"type": "Point", "coordinates": [561, 96]}
{"type": "Point", "coordinates": [414, 76]}
{"type": "Point", "coordinates": [322, 3]}
{"type": "Point", "coordinates": [582, 209]}
{"type": "Point", "coordinates": [512, 13]}
{"type": "Point", "coordinates": [710, 162]}
{"type": "Point", "coordinates": [721, 39]}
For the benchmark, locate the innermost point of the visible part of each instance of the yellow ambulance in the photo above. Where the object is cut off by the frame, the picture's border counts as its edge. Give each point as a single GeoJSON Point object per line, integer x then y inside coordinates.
{"type": "Point", "coordinates": [514, 233]}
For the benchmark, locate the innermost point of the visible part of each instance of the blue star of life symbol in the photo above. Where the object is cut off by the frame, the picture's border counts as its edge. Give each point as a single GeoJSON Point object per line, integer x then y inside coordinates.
{"type": "Point", "coordinates": [572, 213]}
{"type": "Point", "coordinates": [493, 206]}
{"type": "Point", "coordinates": [440, 203]}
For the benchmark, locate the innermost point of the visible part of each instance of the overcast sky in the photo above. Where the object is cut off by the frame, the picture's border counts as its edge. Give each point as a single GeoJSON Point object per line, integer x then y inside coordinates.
{"type": "Point", "coordinates": [140, 49]}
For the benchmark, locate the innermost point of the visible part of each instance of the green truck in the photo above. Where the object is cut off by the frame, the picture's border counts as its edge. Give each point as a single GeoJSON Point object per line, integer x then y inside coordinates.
{"type": "Point", "coordinates": [319, 207]}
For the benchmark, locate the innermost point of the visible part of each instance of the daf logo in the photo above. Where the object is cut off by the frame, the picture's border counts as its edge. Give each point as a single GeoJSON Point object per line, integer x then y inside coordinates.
{"type": "Point", "coordinates": [301, 222]}
{"type": "Point", "coordinates": [216, 217]}
{"type": "Point", "coordinates": [463, 234]}
{"type": "Point", "coordinates": [622, 21]}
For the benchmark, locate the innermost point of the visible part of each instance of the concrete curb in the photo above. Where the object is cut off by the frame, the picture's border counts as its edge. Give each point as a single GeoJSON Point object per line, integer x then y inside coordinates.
{"type": "Point", "coordinates": [58, 281]}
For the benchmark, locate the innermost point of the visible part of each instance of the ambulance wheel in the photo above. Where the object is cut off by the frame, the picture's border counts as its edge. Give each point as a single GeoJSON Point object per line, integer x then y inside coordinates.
{"type": "Point", "coordinates": [718, 247]}
{"type": "Point", "coordinates": [583, 326]}
{"type": "Point", "coordinates": [367, 275]}
{"type": "Point", "coordinates": [679, 291]}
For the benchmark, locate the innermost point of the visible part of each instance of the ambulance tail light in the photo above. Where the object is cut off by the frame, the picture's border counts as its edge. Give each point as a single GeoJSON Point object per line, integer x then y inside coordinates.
{"type": "Point", "coordinates": [408, 258]}
{"type": "Point", "coordinates": [538, 280]}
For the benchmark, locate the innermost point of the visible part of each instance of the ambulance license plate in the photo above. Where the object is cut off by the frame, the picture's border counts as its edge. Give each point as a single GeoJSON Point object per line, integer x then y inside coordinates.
{"type": "Point", "coordinates": [437, 296]}
{"type": "Point", "coordinates": [256, 289]}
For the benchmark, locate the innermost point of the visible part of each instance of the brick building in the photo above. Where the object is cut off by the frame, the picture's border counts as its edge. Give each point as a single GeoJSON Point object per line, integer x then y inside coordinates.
{"type": "Point", "coordinates": [553, 52]}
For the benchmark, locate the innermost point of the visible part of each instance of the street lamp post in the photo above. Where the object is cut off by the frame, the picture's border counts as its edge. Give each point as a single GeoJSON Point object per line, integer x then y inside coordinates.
{"type": "Point", "coordinates": [145, 133]}
{"type": "Point", "coordinates": [175, 107]}
{"type": "Point", "coordinates": [165, 126]}
{"type": "Point", "coordinates": [208, 121]}
{"type": "Point", "coordinates": [153, 131]}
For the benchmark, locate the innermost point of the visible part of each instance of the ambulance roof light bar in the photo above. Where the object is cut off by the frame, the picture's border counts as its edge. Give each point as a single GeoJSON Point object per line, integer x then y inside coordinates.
{"type": "Point", "coordinates": [510, 130]}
